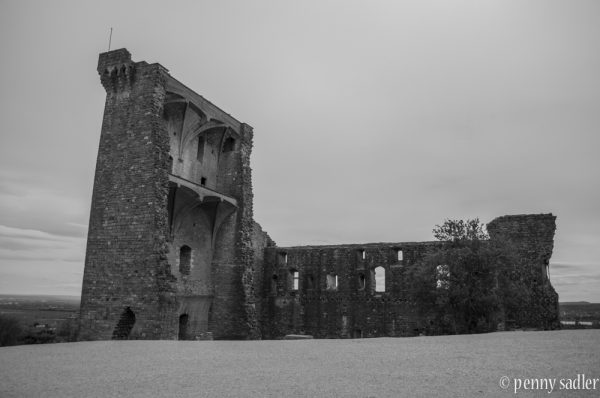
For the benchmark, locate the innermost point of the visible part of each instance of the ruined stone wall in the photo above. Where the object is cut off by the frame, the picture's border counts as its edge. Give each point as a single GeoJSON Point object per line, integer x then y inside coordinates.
{"type": "Point", "coordinates": [356, 309]}
{"type": "Point", "coordinates": [126, 269]}
{"type": "Point", "coordinates": [233, 312]}
{"type": "Point", "coordinates": [352, 309]}
{"type": "Point", "coordinates": [173, 186]}
{"type": "Point", "coordinates": [532, 237]}
{"type": "Point", "coordinates": [260, 240]}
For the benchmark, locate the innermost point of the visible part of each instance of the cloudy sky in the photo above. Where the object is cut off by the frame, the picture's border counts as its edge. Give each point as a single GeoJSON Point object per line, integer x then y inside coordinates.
{"type": "Point", "coordinates": [374, 121]}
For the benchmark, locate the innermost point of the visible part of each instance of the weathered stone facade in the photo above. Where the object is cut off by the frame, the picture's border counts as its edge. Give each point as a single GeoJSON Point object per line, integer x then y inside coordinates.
{"type": "Point", "coordinates": [354, 307]}
{"type": "Point", "coordinates": [336, 294]}
{"type": "Point", "coordinates": [173, 250]}
{"type": "Point", "coordinates": [532, 236]}
{"type": "Point", "coordinates": [172, 244]}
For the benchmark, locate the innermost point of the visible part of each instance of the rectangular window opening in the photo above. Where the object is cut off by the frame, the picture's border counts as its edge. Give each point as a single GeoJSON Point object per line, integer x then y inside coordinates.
{"type": "Point", "coordinates": [332, 282]}
{"type": "Point", "coordinates": [379, 276]}
{"type": "Point", "coordinates": [295, 280]}
{"type": "Point", "coordinates": [362, 254]}
{"type": "Point", "coordinates": [229, 144]}
{"type": "Point", "coordinates": [283, 257]}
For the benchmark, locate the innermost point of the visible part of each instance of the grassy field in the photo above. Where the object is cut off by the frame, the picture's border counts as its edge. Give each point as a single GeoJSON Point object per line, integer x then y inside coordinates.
{"type": "Point", "coordinates": [448, 366]}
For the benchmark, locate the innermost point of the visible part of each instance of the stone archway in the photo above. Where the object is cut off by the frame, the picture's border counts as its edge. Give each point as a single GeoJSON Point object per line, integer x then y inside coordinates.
{"type": "Point", "coordinates": [125, 325]}
{"type": "Point", "coordinates": [183, 327]}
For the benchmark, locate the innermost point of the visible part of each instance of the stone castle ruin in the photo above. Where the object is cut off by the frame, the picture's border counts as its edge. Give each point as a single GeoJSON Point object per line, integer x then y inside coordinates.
{"type": "Point", "coordinates": [173, 251]}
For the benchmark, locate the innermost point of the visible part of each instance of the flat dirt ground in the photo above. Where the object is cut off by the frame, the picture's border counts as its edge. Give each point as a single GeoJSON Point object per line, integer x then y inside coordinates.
{"type": "Point", "coordinates": [444, 366]}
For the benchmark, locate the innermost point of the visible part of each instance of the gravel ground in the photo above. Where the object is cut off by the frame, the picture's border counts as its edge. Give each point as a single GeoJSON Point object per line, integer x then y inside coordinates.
{"type": "Point", "coordinates": [459, 366]}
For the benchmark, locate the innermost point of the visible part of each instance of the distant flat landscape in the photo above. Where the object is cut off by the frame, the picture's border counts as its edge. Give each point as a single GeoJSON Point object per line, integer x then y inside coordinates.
{"type": "Point", "coordinates": [51, 310]}
{"type": "Point", "coordinates": [464, 366]}
{"type": "Point", "coordinates": [31, 309]}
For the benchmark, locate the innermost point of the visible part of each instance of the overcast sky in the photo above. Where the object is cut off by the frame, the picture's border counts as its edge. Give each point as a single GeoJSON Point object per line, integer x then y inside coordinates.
{"type": "Point", "coordinates": [373, 120]}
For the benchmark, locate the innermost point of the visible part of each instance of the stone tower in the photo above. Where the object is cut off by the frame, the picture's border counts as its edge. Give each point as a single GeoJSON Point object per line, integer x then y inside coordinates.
{"type": "Point", "coordinates": [172, 244]}
{"type": "Point", "coordinates": [532, 237]}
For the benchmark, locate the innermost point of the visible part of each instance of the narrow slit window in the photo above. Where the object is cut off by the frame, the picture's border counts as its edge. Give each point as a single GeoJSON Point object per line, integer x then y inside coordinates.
{"type": "Point", "coordinates": [295, 279]}
{"type": "Point", "coordinates": [362, 254]}
{"type": "Point", "coordinates": [203, 181]}
{"type": "Point", "coordinates": [200, 150]}
{"type": "Point", "coordinates": [362, 281]}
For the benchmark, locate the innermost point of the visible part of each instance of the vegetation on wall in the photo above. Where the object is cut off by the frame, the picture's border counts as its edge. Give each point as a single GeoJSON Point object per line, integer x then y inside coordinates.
{"type": "Point", "coordinates": [467, 284]}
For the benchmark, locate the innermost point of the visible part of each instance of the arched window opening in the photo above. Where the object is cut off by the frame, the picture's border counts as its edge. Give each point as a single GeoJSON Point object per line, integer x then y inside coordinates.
{"type": "Point", "coordinates": [362, 281]}
{"type": "Point", "coordinates": [185, 260]}
{"type": "Point", "coordinates": [295, 279]}
{"type": "Point", "coordinates": [183, 327]}
{"type": "Point", "coordinates": [229, 144]}
{"type": "Point", "coordinates": [170, 164]}
{"type": "Point", "coordinates": [124, 326]}
{"type": "Point", "coordinates": [379, 279]}
{"type": "Point", "coordinates": [332, 282]}
{"type": "Point", "coordinates": [200, 149]}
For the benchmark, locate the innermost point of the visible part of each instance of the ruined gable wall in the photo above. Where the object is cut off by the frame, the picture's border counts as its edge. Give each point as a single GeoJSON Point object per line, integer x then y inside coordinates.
{"type": "Point", "coordinates": [532, 237]}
